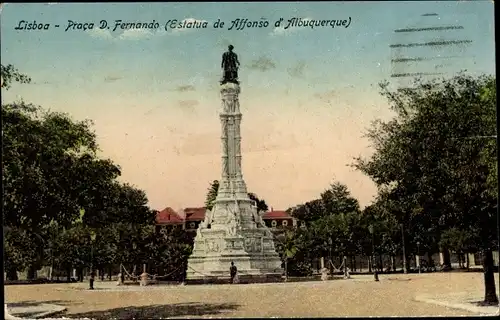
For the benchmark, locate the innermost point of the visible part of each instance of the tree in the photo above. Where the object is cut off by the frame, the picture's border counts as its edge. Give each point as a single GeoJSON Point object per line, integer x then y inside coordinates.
{"type": "Point", "coordinates": [261, 204]}
{"type": "Point", "coordinates": [72, 249]}
{"type": "Point", "coordinates": [460, 241]}
{"type": "Point", "coordinates": [333, 223]}
{"type": "Point", "coordinates": [57, 192]}
{"type": "Point", "coordinates": [51, 170]}
{"type": "Point", "coordinates": [18, 251]}
{"type": "Point", "coordinates": [170, 253]}
{"type": "Point", "coordinates": [212, 194]}
{"type": "Point", "coordinates": [44, 154]}
{"type": "Point", "coordinates": [334, 200]}
{"type": "Point", "coordinates": [432, 164]}
{"type": "Point", "coordinates": [308, 211]}
{"type": "Point", "coordinates": [287, 248]}
{"type": "Point", "coordinates": [386, 235]}
{"type": "Point", "coordinates": [337, 199]}
{"type": "Point", "coordinates": [9, 74]}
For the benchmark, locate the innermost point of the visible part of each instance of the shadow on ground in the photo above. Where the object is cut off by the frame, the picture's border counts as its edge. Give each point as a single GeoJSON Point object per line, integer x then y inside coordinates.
{"type": "Point", "coordinates": [482, 303]}
{"type": "Point", "coordinates": [158, 311]}
{"type": "Point", "coordinates": [33, 308]}
{"type": "Point", "coordinates": [33, 303]}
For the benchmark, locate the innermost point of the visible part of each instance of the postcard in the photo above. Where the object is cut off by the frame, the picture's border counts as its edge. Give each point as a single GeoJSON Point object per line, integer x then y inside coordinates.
{"type": "Point", "coordinates": [249, 159]}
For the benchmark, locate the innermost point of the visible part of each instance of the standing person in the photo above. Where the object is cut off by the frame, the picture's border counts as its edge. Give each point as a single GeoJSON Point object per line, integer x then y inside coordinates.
{"type": "Point", "coordinates": [92, 275]}
{"type": "Point", "coordinates": [233, 270]}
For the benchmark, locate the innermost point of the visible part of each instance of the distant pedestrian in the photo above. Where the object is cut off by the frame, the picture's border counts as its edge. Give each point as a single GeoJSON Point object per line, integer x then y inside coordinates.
{"type": "Point", "coordinates": [91, 281]}
{"type": "Point", "coordinates": [233, 271]}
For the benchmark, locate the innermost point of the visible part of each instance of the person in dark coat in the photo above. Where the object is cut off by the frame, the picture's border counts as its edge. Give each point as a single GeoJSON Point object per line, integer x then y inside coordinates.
{"type": "Point", "coordinates": [91, 281]}
{"type": "Point", "coordinates": [232, 271]}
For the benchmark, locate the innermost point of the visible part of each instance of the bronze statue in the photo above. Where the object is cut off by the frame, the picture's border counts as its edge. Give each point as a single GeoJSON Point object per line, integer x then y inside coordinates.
{"type": "Point", "coordinates": [230, 65]}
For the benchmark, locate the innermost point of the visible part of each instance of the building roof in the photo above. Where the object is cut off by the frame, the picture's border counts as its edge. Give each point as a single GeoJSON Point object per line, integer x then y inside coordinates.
{"type": "Point", "coordinates": [168, 216]}
{"type": "Point", "coordinates": [195, 214]}
{"type": "Point", "coordinates": [278, 214]}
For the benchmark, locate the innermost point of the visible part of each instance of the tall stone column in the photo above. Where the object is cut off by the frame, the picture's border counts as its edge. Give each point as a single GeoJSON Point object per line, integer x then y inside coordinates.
{"type": "Point", "coordinates": [232, 233]}
{"type": "Point", "coordinates": [241, 189]}
{"type": "Point", "coordinates": [224, 189]}
{"type": "Point", "coordinates": [232, 178]}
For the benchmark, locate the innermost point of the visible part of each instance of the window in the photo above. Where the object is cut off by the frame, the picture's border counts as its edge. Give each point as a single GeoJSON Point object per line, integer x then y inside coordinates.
{"type": "Point", "coordinates": [192, 225]}
{"type": "Point", "coordinates": [284, 223]}
{"type": "Point", "coordinates": [274, 223]}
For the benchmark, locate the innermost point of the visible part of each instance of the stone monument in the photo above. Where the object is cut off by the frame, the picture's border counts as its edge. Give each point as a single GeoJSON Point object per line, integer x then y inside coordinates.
{"type": "Point", "coordinates": [233, 230]}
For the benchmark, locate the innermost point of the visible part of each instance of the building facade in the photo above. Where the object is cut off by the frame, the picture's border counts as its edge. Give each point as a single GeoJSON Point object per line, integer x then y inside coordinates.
{"type": "Point", "coordinates": [189, 219]}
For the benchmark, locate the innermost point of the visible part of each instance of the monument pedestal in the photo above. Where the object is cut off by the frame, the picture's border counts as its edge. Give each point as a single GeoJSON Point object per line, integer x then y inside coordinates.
{"type": "Point", "coordinates": [248, 244]}
{"type": "Point", "coordinates": [233, 231]}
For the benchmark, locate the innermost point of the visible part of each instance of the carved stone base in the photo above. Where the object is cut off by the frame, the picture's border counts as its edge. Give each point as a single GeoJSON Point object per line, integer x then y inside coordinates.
{"type": "Point", "coordinates": [242, 251]}
{"type": "Point", "coordinates": [249, 244]}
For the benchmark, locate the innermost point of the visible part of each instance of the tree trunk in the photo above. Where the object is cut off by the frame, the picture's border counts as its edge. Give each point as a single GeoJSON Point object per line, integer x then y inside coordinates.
{"type": "Point", "coordinates": [369, 265]}
{"type": "Point", "coordinates": [345, 265]}
{"type": "Point", "coordinates": [80, 272]}
{"type": "Point", "coordinates": [393, 264]}
{"type": "Point", "coordinates": [490, 293]}
{"type": "Point", "coordinates": [109, 273]}
{"type": "Point", "coordinates": [446, 258]}
{"type": "Point", "coordinates": [12, 274]}
{"type": "Point", "coordinates": [467, 261]}
{"type": "Point", "coordinates": [286, 268]}
{"type": "Point", "coordinates": [31, 274]}
{"type": "Point", "coordinates": [101, 271]}
{"type": "Point", "coordinates": [430, 262]}
{"type": "Point", "coordinates": [381, 263]}
{"type": "Point", "coordinates": [68, 274]}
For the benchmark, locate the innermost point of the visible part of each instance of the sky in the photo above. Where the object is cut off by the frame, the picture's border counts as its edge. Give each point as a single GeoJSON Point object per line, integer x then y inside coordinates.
{"type": "Point", "coordinates": [308, 95]}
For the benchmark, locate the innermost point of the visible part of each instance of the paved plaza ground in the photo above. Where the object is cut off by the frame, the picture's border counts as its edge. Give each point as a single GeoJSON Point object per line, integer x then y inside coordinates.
{"type": "Point", "coordinates": [393, 295]}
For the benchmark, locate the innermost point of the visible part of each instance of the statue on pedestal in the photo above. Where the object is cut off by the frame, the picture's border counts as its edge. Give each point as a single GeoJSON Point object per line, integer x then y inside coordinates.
{"type": "Point", "coordinates": [230, 65]}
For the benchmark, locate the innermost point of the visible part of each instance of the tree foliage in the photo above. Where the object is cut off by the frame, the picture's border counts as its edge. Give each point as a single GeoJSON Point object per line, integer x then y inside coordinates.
{"type": "Point", "coordinates": [436, 162]}
{"type": "Point", "coordinates": [10, 74]}
{"type": "Point", "coordinates": [212, 194]}
{"type": "Point", "coordinates": [334, 225]}
{"type": "Point", "coordinates": [57, 192]}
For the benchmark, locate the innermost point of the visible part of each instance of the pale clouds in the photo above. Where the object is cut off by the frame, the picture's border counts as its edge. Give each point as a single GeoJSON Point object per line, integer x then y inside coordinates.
{"type": "Point", "coordinates": [99, 33]}
{"type": "Point", "coordinates": [297, 70]}
{"type": "Point", "coordinates": [185, 88]}
{"type": "Point", "coordinates": [262, 64]}
{"type": "Point", "coordinates": [112, 78]}
{"type": "Point", "coordinates": [279, 31]}
{"type": "Point", "coordinates": [135, 34]}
